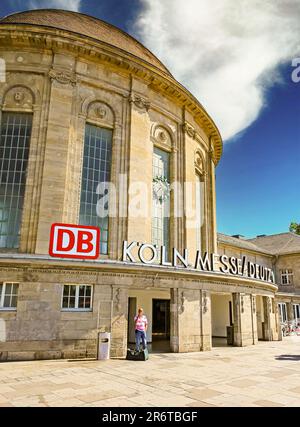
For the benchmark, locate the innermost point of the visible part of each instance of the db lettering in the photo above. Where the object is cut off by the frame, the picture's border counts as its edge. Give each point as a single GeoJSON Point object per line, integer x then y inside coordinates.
{"type": "Point", "coordinates": [74, 241]}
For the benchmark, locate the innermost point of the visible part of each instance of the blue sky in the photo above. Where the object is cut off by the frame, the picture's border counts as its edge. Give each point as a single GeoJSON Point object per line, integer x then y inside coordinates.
{"type": "Point", "coordinates": [258, 178]}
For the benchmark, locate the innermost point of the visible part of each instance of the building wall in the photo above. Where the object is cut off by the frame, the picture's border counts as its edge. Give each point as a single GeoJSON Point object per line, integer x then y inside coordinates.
{"type": "Point", "coordinates": [64, 90]}
{"type": "Point", "coordinates": [289, 262]}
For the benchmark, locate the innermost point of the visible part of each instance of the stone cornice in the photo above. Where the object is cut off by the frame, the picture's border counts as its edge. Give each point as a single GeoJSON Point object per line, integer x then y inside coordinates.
{"type": "Point", "coordinates": [121, 269]}
{"type": "Point", "coordinates": [60, 40]}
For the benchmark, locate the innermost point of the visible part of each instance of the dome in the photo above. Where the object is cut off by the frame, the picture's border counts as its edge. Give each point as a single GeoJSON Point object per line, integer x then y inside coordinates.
{"type": "Point", "coordinates": [87, 26]}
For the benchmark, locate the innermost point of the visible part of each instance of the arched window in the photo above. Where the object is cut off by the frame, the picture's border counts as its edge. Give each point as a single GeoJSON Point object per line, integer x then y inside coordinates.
{"type": "Point", "coordinates": [96, 170]}
{"type": "Point", "coordinates": [199, 211]}
{"type": "Point", "coordinates": [161, 199]}
{"type": "Point", "coordinates": [14, 152]}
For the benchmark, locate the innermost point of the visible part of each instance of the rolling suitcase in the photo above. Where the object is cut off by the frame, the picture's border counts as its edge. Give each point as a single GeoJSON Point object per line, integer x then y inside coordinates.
{"type": "Point", "coordinates": [142, 355]}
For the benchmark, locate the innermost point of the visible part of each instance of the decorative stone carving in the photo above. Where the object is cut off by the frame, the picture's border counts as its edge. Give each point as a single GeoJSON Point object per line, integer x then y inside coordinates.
{"type": "Point", "coordinates": [242, 304]}
{"type": "Point", "coordinates": [63, 77]}
{"type": "Point", "coordinates": [117, 299]}
{"type": "Point", "coordinates": [162, 136]}
{"type": "Point", "coordinates": [181, 303]}
{"type": "Point", "coordinates": [99, 111]}
{"type": "Point", "coordinates": [204, 303]}
{"type": "Point", "coordinates": [19, 97]}
{"type": "Point", "coordinates": [199, 162]}
{"type": "Point", "coordinates": [191, 132]}
{"type": "Point", "coordinates": [139, 102]}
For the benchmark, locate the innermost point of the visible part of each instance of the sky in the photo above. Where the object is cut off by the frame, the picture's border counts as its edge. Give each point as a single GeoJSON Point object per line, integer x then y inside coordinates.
{"type": "Point", "coordinates": [236, 57]}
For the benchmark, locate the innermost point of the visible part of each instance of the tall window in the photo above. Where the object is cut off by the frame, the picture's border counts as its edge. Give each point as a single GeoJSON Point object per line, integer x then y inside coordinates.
{"type": "Point", "coordinates": [161, 199]}
{"type": "Point", "coordinates": [96, 170]}
{"type": "Point", "coordinates": [8, 295]}
{"type": "Point", "coordinates": [199, 210]}
{"type": "Point", "coordinates": [282, 311]}
{"type": "Point", "coordinates": [14, 152]}
{"type": "Point", "coordinates": [286, 277]}
{"type": "Point", "coordinates": [296, 310]}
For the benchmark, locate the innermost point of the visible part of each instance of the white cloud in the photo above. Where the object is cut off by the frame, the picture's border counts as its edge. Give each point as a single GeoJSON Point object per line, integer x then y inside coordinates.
{"type": "Point", "coordinates": [226, 52]}
{"type": "Point", "coordinates": [55, 4]}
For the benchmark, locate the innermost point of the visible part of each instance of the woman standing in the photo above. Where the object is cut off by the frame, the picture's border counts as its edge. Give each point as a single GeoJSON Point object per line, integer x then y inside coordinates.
{"type": "Point", "coordinates": [141, 325]}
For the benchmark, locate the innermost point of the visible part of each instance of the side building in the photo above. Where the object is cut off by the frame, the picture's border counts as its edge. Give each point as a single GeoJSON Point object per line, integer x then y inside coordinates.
{"type": "Point", "coordinates": [282, 253]}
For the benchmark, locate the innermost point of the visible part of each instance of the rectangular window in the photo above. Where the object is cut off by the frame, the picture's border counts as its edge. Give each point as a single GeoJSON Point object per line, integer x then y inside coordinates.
{"type": "Point", "coordinates": [15, 132]}
{"type": "Point", "coordinates": [296, 309]}
{"type": "Point", "coordinates": [161, 199]}
{"type": "Point", "coordinates": [282, 312]}
{"type": "Point", "coordinates": [96, 169]}
{"type": "Point", "coordinates": [77, 297]}
{"type": "Point", "coordinates": [286, 277]}
{"type": "Point", "coordinates": [8, 295]}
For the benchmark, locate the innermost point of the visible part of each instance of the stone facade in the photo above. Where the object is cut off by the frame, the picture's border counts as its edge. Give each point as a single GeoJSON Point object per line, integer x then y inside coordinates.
{"type": "Point", "coordinates": [66, 80]}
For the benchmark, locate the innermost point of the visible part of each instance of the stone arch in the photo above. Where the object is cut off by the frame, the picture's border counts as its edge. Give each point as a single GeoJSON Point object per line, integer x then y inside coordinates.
{"type": "Point", "coordinates": [162, 135]}
{"type": "Point", "coordinates": [100, 111]}
{"type": "Point", "coordinates": [92, 106]}
{"type": "Point", "coordinates": [199, 162]}
{"type": "Point", "coordinates": [19, 97]}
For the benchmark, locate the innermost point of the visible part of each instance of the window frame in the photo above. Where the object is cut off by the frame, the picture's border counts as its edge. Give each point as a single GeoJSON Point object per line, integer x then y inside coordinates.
{"type": "Point", "coordinates": [296, 310]}
{"type": "Point", "coordinates": [287, 275]}
{"type": "Point", "coordinates": [2, 296]}
{"type": "Point", "coordinates": [76, 308]}
{"type": "Point", "coordinates": [108, 231]}
{"type": "Point", "coordinates": [281, 311]}
{"type": "Point", "coordinates": [166, 151]}
{"type": "Point", "coordinates": [13, 241]}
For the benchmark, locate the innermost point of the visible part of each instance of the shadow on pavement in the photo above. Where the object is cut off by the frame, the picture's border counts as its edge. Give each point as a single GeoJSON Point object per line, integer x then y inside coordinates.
{"type": "Point", "coordinates": [288, 357]}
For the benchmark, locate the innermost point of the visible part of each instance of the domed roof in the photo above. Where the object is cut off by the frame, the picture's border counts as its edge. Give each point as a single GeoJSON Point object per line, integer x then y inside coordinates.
{"type": "Point", "coordinates": [87, 26]}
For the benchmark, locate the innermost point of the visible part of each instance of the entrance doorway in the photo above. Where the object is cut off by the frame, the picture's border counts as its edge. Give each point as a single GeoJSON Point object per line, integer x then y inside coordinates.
{"type": "Point", "coordinates": [156, 305]}
{"type": "Point", "coordinates": [160, 325]}
{"type": "Point", "coordinates": [222, 320]}
{"type": "Point", "coordinates": [160, 319]}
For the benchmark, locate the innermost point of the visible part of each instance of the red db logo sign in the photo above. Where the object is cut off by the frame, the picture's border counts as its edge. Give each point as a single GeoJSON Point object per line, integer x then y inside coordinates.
{"type": "Point", "coordinates": [74, 241]}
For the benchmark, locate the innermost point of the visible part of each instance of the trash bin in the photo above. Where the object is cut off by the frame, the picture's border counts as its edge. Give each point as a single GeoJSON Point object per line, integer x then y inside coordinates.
{"type": "Point", "coordinates": [103, 345]}
{"type": "Point", "coordinates": [229, 335]}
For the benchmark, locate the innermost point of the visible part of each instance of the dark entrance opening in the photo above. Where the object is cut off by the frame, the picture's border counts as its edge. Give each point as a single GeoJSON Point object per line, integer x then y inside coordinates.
{"type": "Point", "coordinates": [160, 319]}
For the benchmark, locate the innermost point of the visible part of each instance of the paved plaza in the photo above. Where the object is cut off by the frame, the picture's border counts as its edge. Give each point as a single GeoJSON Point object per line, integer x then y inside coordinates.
{"type": "Point", "coordinates": [264, 375]}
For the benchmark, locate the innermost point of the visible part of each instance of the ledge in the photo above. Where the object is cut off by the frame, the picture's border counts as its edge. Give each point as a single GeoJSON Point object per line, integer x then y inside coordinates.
{"type": "Point", "coordinates": [47, 263]}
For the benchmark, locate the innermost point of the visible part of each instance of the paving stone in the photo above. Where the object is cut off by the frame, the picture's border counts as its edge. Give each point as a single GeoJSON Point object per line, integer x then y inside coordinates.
{"type": "Point", "coordinates": [256, 379]}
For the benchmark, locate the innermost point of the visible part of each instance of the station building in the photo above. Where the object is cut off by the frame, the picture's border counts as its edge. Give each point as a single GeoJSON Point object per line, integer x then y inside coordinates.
{"type": "Point", "coordinates": [83, 104]}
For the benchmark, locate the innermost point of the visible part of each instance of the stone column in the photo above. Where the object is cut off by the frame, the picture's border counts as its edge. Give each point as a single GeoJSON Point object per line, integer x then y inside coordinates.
{"type": "Point", "coordinates": [290, 312]}
{"type": "Point", "coordinates": [119, 322]}
{"type": "Point", "coordinates": [268, 321]}
{"type": "Point", "coordinates": [206, 332]}
{"type": "Point", "coordinates": [190, 320]}
{"type": "Point", "coordinates": [243, 320]}
{"type": "Point", "coordinates": [254, 319]}
{"type": "Point", "coordinates": [140, 171]}
{"type": "Point", "coordinates": [174, 332]}
{"type": "Point", "coordinates": [55, 173]}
